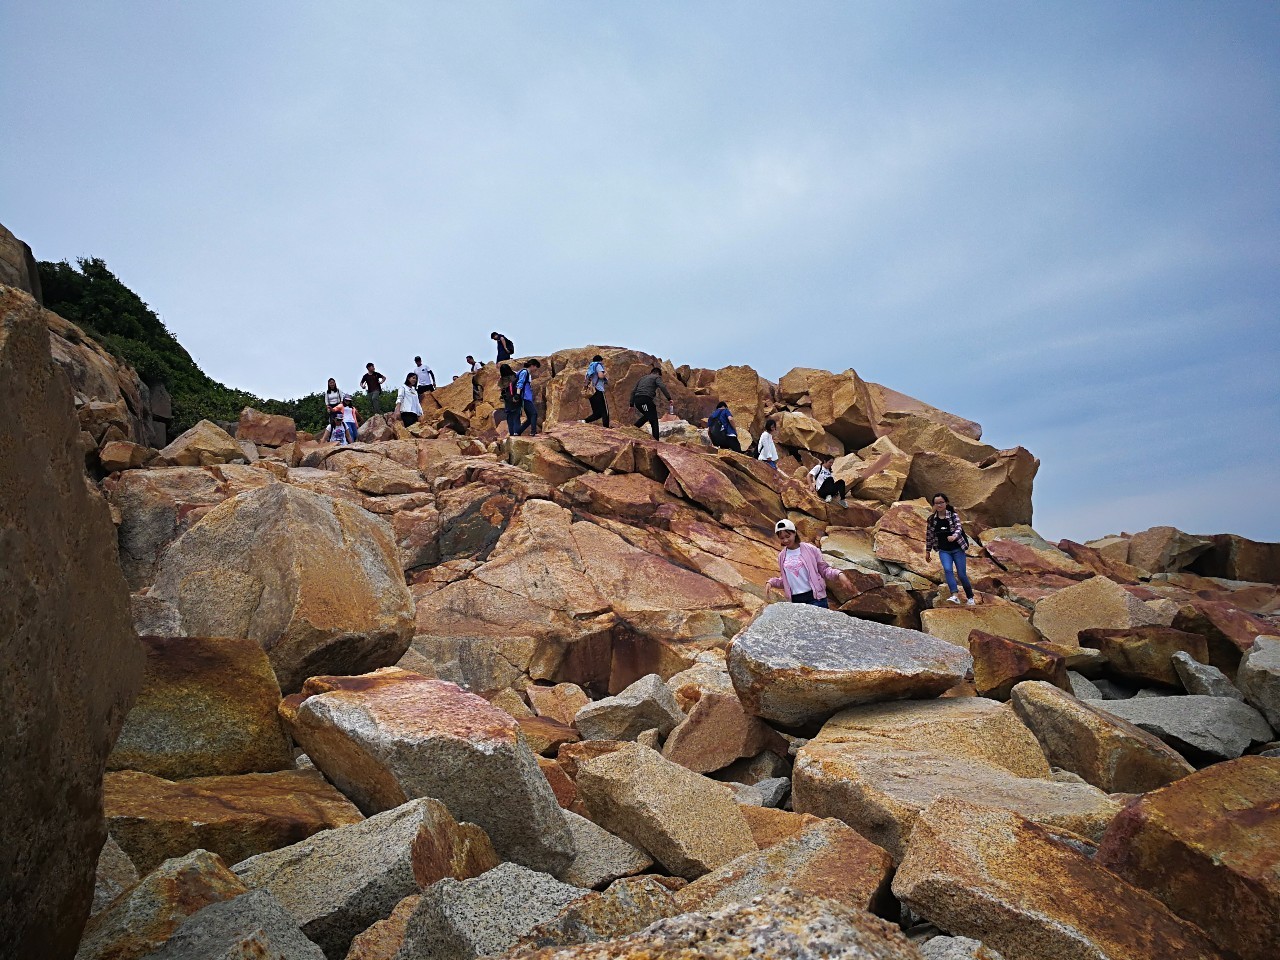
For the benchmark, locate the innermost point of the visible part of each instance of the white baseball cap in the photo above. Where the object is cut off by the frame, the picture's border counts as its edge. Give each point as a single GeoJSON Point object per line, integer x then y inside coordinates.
{"type": "Point", "coordinates": [784, 525]}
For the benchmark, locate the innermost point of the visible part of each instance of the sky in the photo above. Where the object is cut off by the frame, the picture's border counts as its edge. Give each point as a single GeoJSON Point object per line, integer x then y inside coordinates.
{"type": "Point", "coordinates": [1061, 220]}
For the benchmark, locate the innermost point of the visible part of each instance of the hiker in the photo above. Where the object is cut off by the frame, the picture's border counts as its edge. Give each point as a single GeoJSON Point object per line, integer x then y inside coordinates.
{"type": "Point", "coordinates": [524, 387]}
{"type": "Point", "coordinates": [724, 434]}
{"type": "Point", "coordinates": [349, 418]}
{"type": "Point", "coordinates": [372, 382]}
{"type": "Point", "coordinates": [804, 569]}
{"type": "Point", "coordinates": [332, 399]}
{"type": "Point", "coordinates": [945, 533]}
{"type": "Point", "coordinates": [475, 367]}
{"type": "Point", "coordinates": [511, 402]}
{"type": "Point", "coordinates": [506, 349]}
{"type": "Point", "coordinates": [825, 483]}
{"type": "Point", "coordinates": [408, 402]}
{"type": "Point", "coordinates": [336, 431]}
{"type": "Point", "coordinates": [597, 380]}
{"type": "Point", "coordinates": [768, 452]}
{"type": "Point", "coordinates": [644, 398]}
{"type": "Point", "coordinates": [426, 378]}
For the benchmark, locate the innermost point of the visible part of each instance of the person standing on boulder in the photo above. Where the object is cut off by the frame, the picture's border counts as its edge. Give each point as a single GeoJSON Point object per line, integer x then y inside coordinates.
{"type": "Point", "coordinates": [768, 452]}
{"type": "Point", "coordinates": [945, 533]}
{"type": "Point", "coordinates": [524, 387]}
{"type": "Point", "coordinates": [426, 377]}
{"type": "Point", "coordinates": [805, 571]}
{"type": "Point", "coordinates": [723, 432]}
{"type": "Point", "coordinates": [408, 406]}
{"type": "Point", "coordinates": [332, 400]}
{"type": "Point", "coordinates": [475, 366]}
{"type": "Point", "coordinates": [372, 382]}
{"type": "Point", "coordinates": [511, 402]}
{"type": "Point", "coordinates": [597, 380]}
{"type": "Point", "coordinates": [825, 483]}
{"type": "Point", "coordinates": [506, 349]}
{"type": "Point", "coordinates": [349, 418]}
{"type": "Point", "coordinates": [644, 398]}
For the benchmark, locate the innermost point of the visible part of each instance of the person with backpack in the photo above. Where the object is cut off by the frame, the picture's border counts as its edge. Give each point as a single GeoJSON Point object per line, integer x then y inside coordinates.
{"type": "Point", "coordinates": [804, 570]}
{"type": "Point", "coordinates": [506, 349]}
{"type": "Point", "coordinates": [372, 382]}
{"type": "Point", "coordinates": [336, 431]}
{"type": "Point", "coordinates": [597, 380]}
{"type": "Point", "coordinates": [408, 404]}
{"type": "Point", "coordinates": [475, 366]}
{"type": "Point", "coordinates": [945, 533]}
{"type": "Point", "coordinates": [644, 398]}
{"type": "Point", "coordinates": [768, 451]}
{"type": "Point", "coordinates": [349, 418]}
{"type": "Point", "coordinates": [825, 483]}
{"type": "Point", "coordinates": [524, 387]}
{"type": "Point", "coordinates": [511, 402]}
{"type": "Point", "coordinates": [724, 435]}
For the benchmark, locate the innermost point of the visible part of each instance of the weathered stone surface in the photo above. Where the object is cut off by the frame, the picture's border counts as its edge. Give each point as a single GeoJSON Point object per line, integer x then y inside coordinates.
{"type": "Point", "coordinates": [957, 948]}
{"type": "Point", "coordinates": [797, 663]}
{"type": "Point", "coordinates": [383, 940]}
{"type": "Point", "coordinates": [795, 429]}
{"type": "Point", "coordinates": [235, 817]}
{"type": "Point", "coordinates": [316, 581]}
{"type": "Point", "coordinates": [999, 664]}
{"type": "Point", "coordinates": [1200, 728]}
{"type": "Point", "coordinates": [644, 705]}
{"type": "Point", "coordinates": [1146, 653]}
{"type": "Point", "coordinates": [954, 624]}
{"type": "Point", "coordinates": [900, 540]}
{"type": "Point", "coordinates": [718, 731]}
{"type": "Point", "coordinates": [71, 659]}
{"type": "Point", "coordinates": [461, 920]}
{"type": "Point", "coordinates": [1239, 558]}
{"type": "Point", "coordinates": [207, 708]}
{"type": "Point", "coordinates": [1200, 678]}
{"type": "Point", "coordinates": [392, 735]}
{"type": "Point", "coordinates": [1208, 846]}
{"type": "Point", "coordinates": [992, 875]}
{"type": "Point", "coordinates": [265, 428]}
{"type": "Point", "coordinates": [246, 928]}
{"type": "Point", "coordinates": [827, 859]}
{"type": "Point", "coordinates": [689, 824]}
{"type": "Point", "coordinates": [203, 445]}
{"type": "Point", "coordinates": [601, 857]}
{"type": "Point", "coordinates": [123, 455]}
{"type": "Point", "coordinates": [1229, 630]}
{"type": "Point", "coordinates": [337, 883]}
{"type": "Point", "coordinates": [996, 491]}
{"type": "Point", "coordinates": [1082, 688]}
{"type": "Point", "coordinates": [140, 922]}
{"type": "Point", "coordinates": [560, 702]}
{"type": "Point", "coordinates": [1165, 549]}
{"type": "Point", "coordinates": [780, 924]}
{"type": "Point", "coordinates": [1114, 756]}
{"type": "Point", "coordinates": [1019, 549]}
{"type": "Point", "coordinates": [625, 907]}
{"type": "Point", "coordinates": [1097, 602]}
{"type": "Point", "coordinates": [115, 874]}
{"type": "Point", "coordinates": [1259, 678]}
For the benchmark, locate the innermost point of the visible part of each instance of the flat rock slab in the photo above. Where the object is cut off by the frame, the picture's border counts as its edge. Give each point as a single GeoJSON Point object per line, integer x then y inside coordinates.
{"type": "Point", "coordinates": [994, 876]}
{"type": "Point", "coordinates": [1199, 728]}
{"type": "Point", "coordinates": [797, 663]}
{"type": "Point", "coordinates": [248, 927]}
{"type": "Point", "coordinates": [393, 735]}
{"type": "Point", "coordinates": [1208, 846]}
{"type": "Point", "coordinates": [237, 817]}
{"type": "Point", "coordinates": [602, 858]}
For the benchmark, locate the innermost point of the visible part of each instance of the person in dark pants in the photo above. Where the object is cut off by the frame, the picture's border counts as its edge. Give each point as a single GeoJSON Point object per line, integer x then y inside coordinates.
{"type": "Point", "coordinates": [644, 398]}
{"type": "Point", "coordinates": [804, 570]}
{"type": "Point", "coordinates": [524, 387]}
{"type": "Point", "coordinates": [945, 533]}
{"type": "Point", "coordinates": [511, 402]}
{"type": "Point", "coordinates": [506, 349]}
{"type": "Point", "coordinates": [723, 433]}
{"type": "Point", "coordinates": [825, 483]}
{"type": "Point", "coordinates": [408, 406]}
{"type": "Point", "coordinates": [372, 382]}
{"type": "Point", "coordinates": [597, 380]}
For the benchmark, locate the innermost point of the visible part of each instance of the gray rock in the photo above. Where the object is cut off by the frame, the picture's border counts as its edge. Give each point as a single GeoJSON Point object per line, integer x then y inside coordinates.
{"type": "Point", "coordinates": [1082, 687]}
{"type": "Point", "coordinates": [1259, 677]}
{"type": "Point", "coordinates": [647, 704]}
{"type": "Point", "coordinates": [765, 793]}
{"type": "Point", "coordinates": [251, 926]}
{"type": "Point", "coordinates": [957, 948]}
{"type": "Point", "coordinates": [602, 857]}
{"type": "Point", "coordinates": [797, 663]}
{"type": "Point", "coordinates": [1114, 690]}
{"type": "Point", "coordinates": [763, 766]}
{"type": "Point", "coordinates": [1148, 692]}
{"type": "Point", "coordinates": [461, 920]}
{"type": "Point", "coordinates": [1214, 728]}
{"type": "Point", "coordinates": [629, 905]}
{"type": "Point", "coordinates": [116, 873]}
{"type": "Point", "coordinates": [1202, 679]}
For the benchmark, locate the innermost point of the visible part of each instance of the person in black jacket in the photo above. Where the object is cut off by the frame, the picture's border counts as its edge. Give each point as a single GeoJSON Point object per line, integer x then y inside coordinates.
{"type": "Point", "coordinates": [944, 533]}
{"type": "Point", "coordinates": [506, 349]}
{"type": "Point", "coordinates": [644, 398]}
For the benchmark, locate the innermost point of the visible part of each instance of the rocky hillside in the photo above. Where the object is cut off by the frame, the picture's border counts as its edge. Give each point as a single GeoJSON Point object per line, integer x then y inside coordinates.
{"type": "Point", "coordinates": [445, 693]}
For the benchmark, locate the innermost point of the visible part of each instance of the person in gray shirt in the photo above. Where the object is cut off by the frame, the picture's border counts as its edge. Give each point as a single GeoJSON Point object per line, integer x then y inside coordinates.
{"type": "Point", "coordinates": [644, 398]}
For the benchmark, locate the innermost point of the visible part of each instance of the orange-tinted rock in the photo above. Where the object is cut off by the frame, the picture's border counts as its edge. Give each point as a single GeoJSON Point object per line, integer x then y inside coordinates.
{"type": "Point", "coordinates": [1146, 653]}
{"type": "Point", "coordinates": [1000, 663]}
{"type": "Point", "coordinates": [996, 877]}
{"type": "Point", "coordinates": [953, 623]}
{"type": "Point", "coordinates": [1099, 562]}
{"type": "Point", "coordinates": [1021, 556]}
{"type": "Point", "coordinates": [1208, 846]}
{"type": "Point", "coordinates": [1165, 549]}
{"type": "Point", "coordinates": [123, 455]}
{"type": "Point", "coordinates": [996, 491]}
{"type": "Point", "coordinates": [235, 817]}
{"type": "Point", "coordinates": [626, 496]}
{"type": "Point", "coordinates": [899, 538]}
{"type": "Point", "coordinates": [1230, 632]}
{"type": "Point", "coordinates": [1097, 602]}
{"type": "Point", "coordinates": [544, 735]}
{"type": "Point", "coordinates": [203, 445]}
{"type": "Point", "coordinates": [770, 826]}
{"type": "Point", "coordinates": [560, 702]}
{"type": "Point", "coordinates": [383, 940]}
{"type": "Point", "coordinates": [1239, 558]}
{"type": "Point", "coordinates": [795, 429]}
{"type": "Point", "coordinates": [891, 603]}
{"type": "Point", "coordinates": [268, 429]}
{"type": "Point", "coordinates": [718, 731]}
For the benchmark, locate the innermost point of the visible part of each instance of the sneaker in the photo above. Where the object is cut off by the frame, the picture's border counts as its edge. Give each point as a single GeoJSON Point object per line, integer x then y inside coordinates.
{"type": "Point", "coordinates": [954, 598]}
{"type": "Point", "coordinates": [826, 499]}
{"type": "Point", "coordinates": [971, 602]}
{"type": "Point", "coordinates": [844, 502]}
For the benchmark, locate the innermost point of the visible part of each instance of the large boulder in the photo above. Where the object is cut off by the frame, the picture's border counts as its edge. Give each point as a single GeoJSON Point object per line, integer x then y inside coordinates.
{"type": "Point", "coordinates": [996, 491]}
{"type": "Point", "coordinates": [316, 581]}
{"type": "Point", "coordinates": [1259, 678]}
{"type": "Point", "coordinates": [997, 877]}
{"type": "Point", "coordinates": [266, 429]}
{"type": "Point", "coordinates": [72, 660]}
{"type": "Point", "coordinates": [954, 624]}
{"type": "Point", "coordinates": [1000, 664]}
{"type": "Point", "coordinates": [1096, 602]}
{"type": "Point", "coordinates": [1165, 549]}
{"type": "Point", "coordinates": [247, 927]}
{"type": "Point", "coordinates": [1200, 728]}
{"type": "Point", "coordinates": [207, 708]}
{"type": "Point", "coordinates": [805, 433]}
{"type": "Point", "coordinates": [393, 735]}
{"type": "Point", "coordinates": [1145, 654]}
{"type": "Point", "coordinates": [1207, 847]}
{"type": "Point", "coordinates": [718, 731]}
{"type": "Point", "coordinates": [797, 663]}
{"type": "Point", "coordinates": [203, 445]}
{"type": "Point", "coordinates": [601, 857]}
{"type": "Point", "coordinates": [1239, 558]}
{"type": "Point", "coordinates": [646, 704]}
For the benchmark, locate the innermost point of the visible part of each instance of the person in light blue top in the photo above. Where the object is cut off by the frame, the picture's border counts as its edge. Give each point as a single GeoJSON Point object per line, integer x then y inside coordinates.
{"type": "Point", "coordinates": [597, 380]}
{"type": "Point", "coordinates": [524, 387]}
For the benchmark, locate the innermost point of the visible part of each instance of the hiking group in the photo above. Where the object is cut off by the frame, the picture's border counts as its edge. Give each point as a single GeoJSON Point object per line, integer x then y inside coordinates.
{"type": "Point", "coordinates": [803, 570]}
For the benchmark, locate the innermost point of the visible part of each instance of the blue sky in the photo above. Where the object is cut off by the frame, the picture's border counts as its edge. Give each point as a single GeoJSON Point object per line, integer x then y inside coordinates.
{"type": "Point", "coordinates": [1059, 219]}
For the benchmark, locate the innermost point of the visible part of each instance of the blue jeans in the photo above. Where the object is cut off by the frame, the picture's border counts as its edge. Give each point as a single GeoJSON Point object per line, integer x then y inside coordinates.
{"type": "Point", "coordinates": [531, 423]}
{"type": "Point", "coordinates": [953, 561]}
{"type": "Point", "coordinates": [810, 599]}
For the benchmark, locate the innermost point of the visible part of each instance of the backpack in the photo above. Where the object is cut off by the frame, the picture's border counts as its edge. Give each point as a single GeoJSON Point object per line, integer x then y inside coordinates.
{"type": "Point", "coordinates": [511, 398]}
{"type": "Point", "coordinates": [510, 347]}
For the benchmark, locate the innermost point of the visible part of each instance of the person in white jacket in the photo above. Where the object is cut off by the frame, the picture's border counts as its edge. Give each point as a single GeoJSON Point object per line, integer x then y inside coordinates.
{"type": "Point", "coordinates": [768, 452]}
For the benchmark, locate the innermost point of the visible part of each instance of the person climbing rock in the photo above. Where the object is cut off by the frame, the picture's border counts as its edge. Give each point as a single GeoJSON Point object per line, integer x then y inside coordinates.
{"type": "Point", "coordinates": [597, 380]}
{"type": "Point", "coordinates": [372, 382]}
{"type": "Point", "coordinates": [506, 349]}
{"type": "Point", "coordinates": [475, 366]}
{"type": "Point", "coordinates": [825, 483]}
{"type": "Point", "coordinates": [805, 571]}
{"type": "Point", "coordinates": [408, 404]}
{"type": "Point", "coordinates": [945, 533]}
{"type": "Point", "coordinates": [524, 386]}
{"type": "Point", "coordinates": [511, 402]}
{"type": "Point", "coordinates": [644, 398]}
{"type": "Point", "coordinates": [768, 452]}
{"type": "Point", "coordinates": [724, 434]}
{"type": "Point", "coordinates": [426, 377]}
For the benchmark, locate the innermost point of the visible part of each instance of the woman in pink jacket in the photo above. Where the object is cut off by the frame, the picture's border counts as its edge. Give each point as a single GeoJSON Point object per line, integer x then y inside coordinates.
{"type": "Point", "coordinates": [804, 569]}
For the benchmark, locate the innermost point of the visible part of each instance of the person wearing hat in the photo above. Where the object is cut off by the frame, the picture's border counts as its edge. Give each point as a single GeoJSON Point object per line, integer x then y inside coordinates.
{"type": "Point", "coordinates": [597, 380]}
{"type": "Point", "coordinates": [805, 571]}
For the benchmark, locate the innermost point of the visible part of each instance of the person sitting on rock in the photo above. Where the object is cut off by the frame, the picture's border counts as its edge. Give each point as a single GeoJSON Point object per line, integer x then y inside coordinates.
{"type": "Point", "coordinates": [768, 451]}
{"type": "Point", "coordinates": [825, 483]}
{"type": "Point", "coordinates": [945, 534]}
{"type": "Point", "coordinates": [644, 398]}
{"type": "Point", "coordinates": [724, 434]}
{"type": "Point", "coordinates": [336, 432]}
{"type": "Point", "coordinates": [408, 406]}
{"type": "Point", "coordinates": [597, 380]}
{"type": "Point", "coordinates": [805, 571]}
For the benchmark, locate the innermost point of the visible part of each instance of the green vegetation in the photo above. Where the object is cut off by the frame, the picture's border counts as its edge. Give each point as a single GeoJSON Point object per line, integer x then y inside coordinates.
{"type": "Point", "coordinates": [93, 298]}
